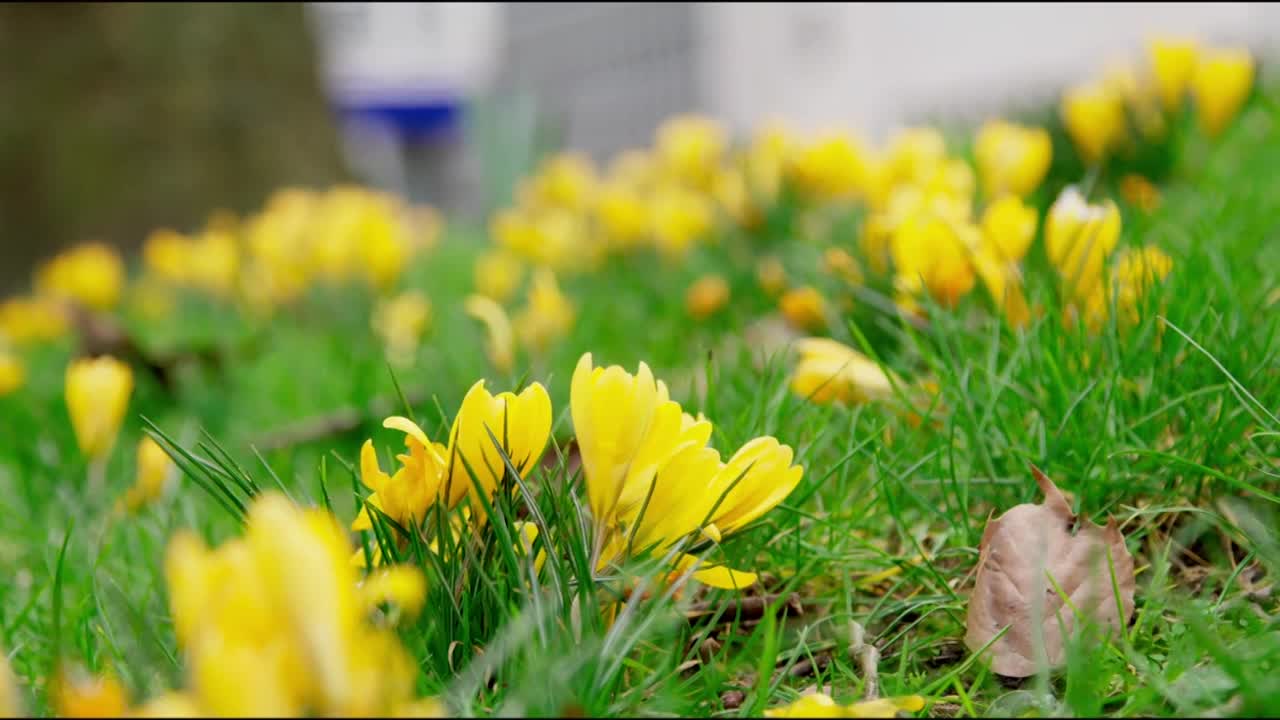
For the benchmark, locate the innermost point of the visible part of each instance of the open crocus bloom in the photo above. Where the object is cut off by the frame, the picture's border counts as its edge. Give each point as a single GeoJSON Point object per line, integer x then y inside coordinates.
{"type": "Point", "coordinates": [653, 482]}
{"type": "Point", "coordinates": [432, 472]}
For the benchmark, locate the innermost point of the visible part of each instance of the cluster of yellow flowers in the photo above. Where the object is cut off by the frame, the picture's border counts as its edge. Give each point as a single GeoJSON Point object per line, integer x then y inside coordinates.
{"type": "Point", "coordinates": [298, 239]}
{"type": "Point", "coordinates": [1098, 114]}
{"type": "Point", "coordinates": [90, 275]}
{"type": "Point", "coordinates": [275, 623]}
{"type": "Point", "coordinates": [652, 481]}
{"type": "Point", "coordinates": [1080, 239]}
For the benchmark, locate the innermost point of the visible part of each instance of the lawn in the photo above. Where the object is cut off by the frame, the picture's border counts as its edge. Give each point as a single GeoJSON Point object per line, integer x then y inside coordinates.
{"type": "Point", "coordinates": [1156, 413]}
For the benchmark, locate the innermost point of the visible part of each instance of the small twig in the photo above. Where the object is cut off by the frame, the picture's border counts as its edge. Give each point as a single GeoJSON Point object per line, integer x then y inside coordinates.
{"type": "Point", "coordinates": [750, 608]}
{"type": "Point", "coordinates": [336, 422]}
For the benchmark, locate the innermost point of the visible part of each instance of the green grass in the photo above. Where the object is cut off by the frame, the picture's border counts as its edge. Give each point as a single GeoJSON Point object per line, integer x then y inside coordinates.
{"type": "Point", "coordinates": [1169, 427]}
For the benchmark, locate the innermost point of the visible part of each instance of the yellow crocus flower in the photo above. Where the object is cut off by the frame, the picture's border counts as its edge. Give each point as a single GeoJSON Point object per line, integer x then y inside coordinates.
{"type": "Point", "coordinates": [155, 468]}
{"type": "Point", "coordinates": [1094, 118]}
{"type": "Point", "coordinates": [405, 496]}
{"type": "Point", "coordinates": [401, 322]}
{"type": "Point", "coordinates": [771, 275]}
{"type": "Point", "coordinates": [1078, 239]}
{"type": "Point", "coordinates": [79, 695]}
{"type": "Point", "coordinates": [500, 345]}
{"type": "Point", "coordinates": [758, 477]}
{"type": "Point", "coordinates": [829, 371]}
{"type": "Point", "coordinates": [706, 295]}
{"type": "Point", "coordinates": [1008, 227]}
{"type": "Point", "coordinates": [520, 423]}
{"type": "Point", "coordinates": [1003, 281]}
{"type": "Point", "coordinates": [689, 148]}
{"type": "Point", "coordinates": [91, 274]}
{"type": "Point", "coordinates": [819, 705]}
{"type": "Point", "coordinates": [1173, 62]}
{"type": "Point", "coordinates": [498, 272]}
{"type": "Point", "coordinates": [1221, 83]}
{"type": "Point", "coordinates": [13, 374]}
{"type": "Point", "coordinates": [1011, 158]}
{"type": "Point", "coordinates": [1140, 192]}
{"type": "Point", "coordinates": [634, 168]}
{"type": "Point", "coordinates": [937, 251]}
{"type": "Point", "coordinates": [766, 161]}
{"type": "Point", "coordinates": [622, 213]}
{"type": "Point", "coordinates": [1133, 273]}
{"type": "Point", "coordinates": [32, 319]}
{"type": "Point", "coordinates": [804, 308]}
{"type": "Point", "coordinates": [831, 167]}
{"type": "Point", "coordinates": [277, 623]}
{"type": "Point", "coordinates": [651, 479]}
{"type": "Point", "coordinates": [567, 180]}
{"type": "Point", "coordinates": [547, 316]}
{"type": "Point", "coordinates": [680, 217]}
{"type": "Point", "coordinates": [97, 394]}
{"type": "Point", "coordinates": [838, 262]}
{"type": "Point", "coordinates": [165, 253]}
{"type": "Point", "coordinates": [10, 701]}
{"type": "Point", "coordinates": [612, 411]}
{"type": "Point", "coordinates": [914, 154]}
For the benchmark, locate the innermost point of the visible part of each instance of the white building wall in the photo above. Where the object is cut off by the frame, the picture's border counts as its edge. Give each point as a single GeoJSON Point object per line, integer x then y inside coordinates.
{"type": "Point", "coordinates": [874, 66]}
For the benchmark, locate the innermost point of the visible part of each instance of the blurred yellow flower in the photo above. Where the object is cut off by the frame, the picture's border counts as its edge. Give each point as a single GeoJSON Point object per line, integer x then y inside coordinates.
{"type": "Point", "coordinates": [97, 394]}
{"type": "Point", "coordinates": [1134, 272]}
{"type": "Point", "coordinates": [822, 706]}
{"type": "Point", "coordinates": [275, 622]}
{"type": "Point", "coordinates": [1094, 118]}
{"type": "Point", "coordinates": [832, 166]}
{"type": "Point", "coordinates": [1078, 239]}
{"type": "Point", "coordinates": [1003, 281]}
{"type": "Point", "coordinates": [935, 252]}
{"type": "Point", "coordinates": [634, 168]}
{"type": "Point", "coordinates": [32, 319]}
{"type": "Point", "coordinates": [547, 316]}
{"type": "Point", "coordinates": [914, 154]}
{"type": "Point", "coordinates": [76, 694]}
{"type": "Point", "coordinates": [1011, 158]}
{"type": "Point", "coordinates": [10, 702]}
{"type": "Point", "coordinates": [1008, 227]}
{"type": "Point", "coordinates": [804, 308]}
{"type": "Point", "coordinates": [154, 470]}
{"type": "Point", "coordinates": [771, 275]}
{"type": "Point", "coordinates": [13, 374]}
{"type": "Point", "coordinates": [680, 218]}
{"type": "Point", "coordinates": [829, 371]}
{"type": "Point", "coordinates": [766, 162]}
{"type": "Point", "coordinates": [401, 322]}
{"type": "Point", "coordinates": [1139, 192]}
{"type": "Point", "coordinates": [91, 274]}
{"type": "Point", "coordinates": [838, 262]}
{"type": "Point", "coordinates": [498, 272]}
{"type": "Point", "coordinates": [622, 213]}
{"type": "Point", "coordinates": [706, 295]}
{"type": "Point", "coordinates": [567, 180]}
{"type": "Point", "coordinates": [500, 345]}
{"type": "Point", "coordinates": [1221, 83]}
{"type": "Point", "coordinates": [689, 147]}
{"type": "Point", "coordinates": [1173, 62]}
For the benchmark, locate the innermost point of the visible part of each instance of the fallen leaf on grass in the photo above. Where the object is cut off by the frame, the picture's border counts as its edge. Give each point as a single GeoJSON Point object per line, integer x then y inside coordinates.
{"type": "Point", "coordinates": [1039, 581]}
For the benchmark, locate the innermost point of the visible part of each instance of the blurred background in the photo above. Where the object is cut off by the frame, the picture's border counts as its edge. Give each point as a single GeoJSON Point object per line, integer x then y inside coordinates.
{"type": "Point", "coordinates": [121, 118]}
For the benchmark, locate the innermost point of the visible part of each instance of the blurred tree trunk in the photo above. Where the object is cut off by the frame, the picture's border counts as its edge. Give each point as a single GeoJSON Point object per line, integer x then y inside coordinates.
{"type": "Point", "coordinates": [119, 118]}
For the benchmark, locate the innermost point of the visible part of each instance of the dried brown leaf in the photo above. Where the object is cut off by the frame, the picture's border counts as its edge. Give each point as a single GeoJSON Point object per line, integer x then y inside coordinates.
{"type": "Point", "coordinates": [1020, 551]}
